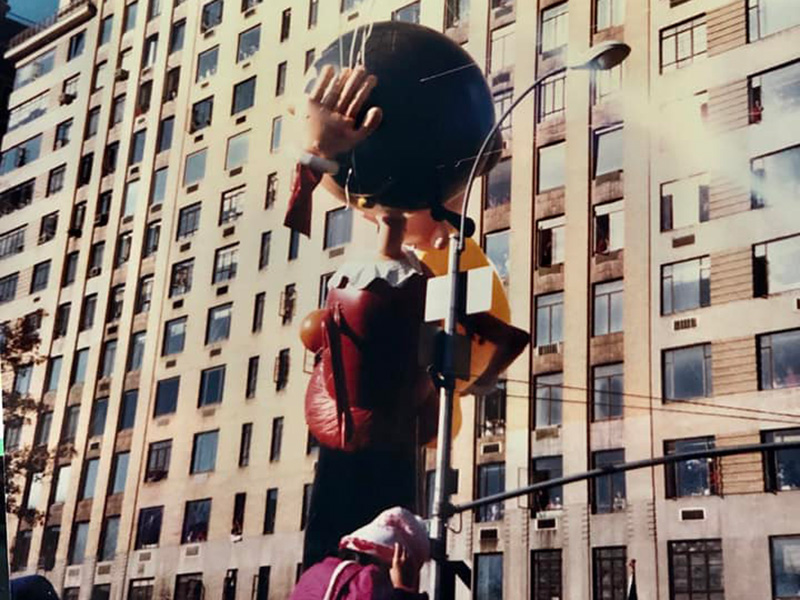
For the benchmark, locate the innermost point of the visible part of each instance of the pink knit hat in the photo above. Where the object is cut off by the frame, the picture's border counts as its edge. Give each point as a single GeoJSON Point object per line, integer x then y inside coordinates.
{"type": "Point", "coordinates": [392, 525]}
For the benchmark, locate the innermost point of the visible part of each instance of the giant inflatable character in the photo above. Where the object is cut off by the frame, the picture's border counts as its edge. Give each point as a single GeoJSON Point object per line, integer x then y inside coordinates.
{"type": "Point", "coordinates": [393, 134]}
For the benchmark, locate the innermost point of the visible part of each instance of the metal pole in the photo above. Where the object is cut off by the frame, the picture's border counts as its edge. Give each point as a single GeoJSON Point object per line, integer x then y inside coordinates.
{"type": "Point", "coordinates": [628, 466]}
{"type": "Point", "coordinates": [441, 487]}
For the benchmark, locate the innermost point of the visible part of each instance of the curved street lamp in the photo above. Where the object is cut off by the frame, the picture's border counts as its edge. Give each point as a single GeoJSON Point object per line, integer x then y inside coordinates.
{"type": "Point", "coordinates": [600, 57]}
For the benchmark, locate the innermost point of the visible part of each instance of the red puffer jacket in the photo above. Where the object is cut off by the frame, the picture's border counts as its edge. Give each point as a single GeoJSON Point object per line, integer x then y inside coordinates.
{"type": "Point", "coordinates": [368, 388]}
{"type": "Point", "coordinates": [353, 582]}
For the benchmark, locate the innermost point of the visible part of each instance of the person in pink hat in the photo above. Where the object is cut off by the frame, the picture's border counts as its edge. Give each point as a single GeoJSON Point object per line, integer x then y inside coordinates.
{"type": "Point", "coordinates": [379, 561]}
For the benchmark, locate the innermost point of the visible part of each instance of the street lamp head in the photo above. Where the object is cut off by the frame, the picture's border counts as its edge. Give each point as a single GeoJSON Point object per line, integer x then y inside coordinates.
{"type": "Point", "coordinates": [602, 56]}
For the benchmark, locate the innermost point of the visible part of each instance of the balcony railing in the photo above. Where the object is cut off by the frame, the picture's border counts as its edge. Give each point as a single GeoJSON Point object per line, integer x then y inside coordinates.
{"type": "Point", "coordinates": [62, 15]}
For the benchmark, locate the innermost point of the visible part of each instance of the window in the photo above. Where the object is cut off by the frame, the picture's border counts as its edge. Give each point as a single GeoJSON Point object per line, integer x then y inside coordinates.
{"type": "Point", "coordinates": [609, 227]}
{"type": "Point", "coordinates": [313, 13]}
{"type": "Point", "coordinates": [555, 27]}
{"type": "Point", "coordinates": [775, 178]}
{"type": "Point", "coordinates": [544, 469]}
{"type": "Point", "coordinates": [498, 185]}
{"type": "Point", "coordinates": [148, 531]}
{"type": "Point", "coordinates": [195, 168]}
{"type": "Point", "coordinates": [607, 151]}
{"type": "Point", "coordinates": [282, 370]}
{"type": "Point", "coordinates": [151, 237]}
{"type": "Point", "coordinates": [20, 155]}
{"type": "Point", "coordinates": [491, 412]}
{"type": "Point", "coordinates": [288, 303]}
{"type": "Point", "coordinates": [687, 372]}
{"type": "Point", "coordinates": [219, 323]}
{"type": "Point", "coordinates": [97, 422]}
{"type": "Point", "coordinates": [127, 411]}
{"type": "Point", "coordinates": [158, 458]}
{"type": "Point", "coordinates": [546, 574]}
{"type": "Point", "coordinates": [252, 377]}
{"type": "Point", "coordinates": [280, 79]}
{"type": "Point", "coordinates": [211, 16]}
{"type": "Point", "coordinates": [47, 558]}
{"type": "Point", "coordinates": [79, 366]}
{"type": "Point", "coordinates": [171, 84]}
{"type": "Point", "coordinates": [286, 24]}
{"type": "Point", "coordinates": [685, 285]}
{"type": "Point", "coordinates": [62, 481]}
{"type": "Point", "coordinates": [309, 60]}
{"type": "Point", "coordinates": [225, 263]}
{"type": "Point", "coordinates": [117, 109]}
{"type": "Point", "coordinates": [189, 587]}
{"type": "Point", "coordinates": [36, 68]}
{"type": "Point", "coordinates": [497, 251]}
{"type": "Point", "coordinates": [204, 452]}
{"type": "Point", "coordinates": [275, 138]}
{"type": "Point", "coordinates": [237, 527]}
{"type": "Point", "coordinates": [249, 43]}
{"type": "Point", "coordinates": [551, 241]}
{"type": "Point", "coordinates": [263, 253]}
{"type": "Point", "coordinates": [63, 134]}
{"type": "Point", "coordinates": [101, 76]}
{"type": "Point", "coordinates": [123, 253]}
{"type": "Point", "coordinates": [407, 14]}
{"type": "Point", "coordinates": [552, 96]}
{"type": "Point", "coordinates": [76, 45]}
{"type": "Point", "coordinates": [338, 227]}
{"type": "Point", "coordinates": [201, 114]}
{"type": "Point", "coordinates": [108, 548]}
{"type": "Point", "coordinates": [165, 134]}
{"type": "Point", "coordinates": [207, 64]}
{"type": "Point", "coordinates": [773, 94]}
{"type": "Point", "coordinates": [608, 491]}
{"type": "Point", "coordinates": [324, 280]}
{"type": "Point", "coordinates": [272, 190]}
{"type": "Point", "coordinates": [549, 395]}
{"type": "Point", "coordinates": [765, 17]}
{"type": "Point", "coordinates": [607, 83]}
{"type": "Point", "coordinates": [277, 439]}
{"type": "Point", "coordinates": [238, 149]}
{"type": "Point", "coordinates": [108, 357]}
{"type": "Point", "coordinates": [610, 570]}
{"type": "Point", "coordinates": [258, 312]}
{"type": "Point", "coordinates": [136, 351]}
{"type": "Point", "coordinates": [681, 44]}
{"type": "Point", "coordinates": [158, 190]}
{"type": "Point", "coordinates": [552, 162]}
{"type": "Point", "coordinates": [119, 472]}
{"type": "Point", "coordinates": [77, 545]}
{"type": "Point", "coordinates": [271, 510]}
{"type": "Point", "coordinates": [294, 244]}
{"type": "Point", "coordinates": [174, 336]}
{"type": "Point", "coordinates": [181, 280]}
{"type": "Point", "coordinates": [130, 16]}
{"type": "Point", "coordinates": [779, 360]}
{"type": "Point", "coordinates": [87, 312]}
{"type": "Point", "coordinates": [40, 276]}
{"type": "Point", "coordinates": [27, 112]}
{"type": "Point", "coordinates": [776, 266]}
{"type": "Point", "coordinates": [53, 374]}
{"type": "Point", "coordinates": [694, 477]}
{"type": "Point", "coordinates": [684, 202]}
{"type": "Point", "coordinates": [231, 205]}
{"type": "Point", "coordinates": [608, 13]}
{"type": "Point", "coordinates": [212, 385]}
{"type": "Point", "coordinates": [491, 480]}
{"type": "Point", "coordinates": [167, 396]}
{"type": "Point", "coordinates": [488, 576]}
{"type": "Point", "coordinates": [89, 479]}
{"type": "Point", "coordinates": [549, 319]}
{"type": "Point", "coordinates": [608, 303]}
{"type": "Point", "coordinates": [306, 508]}
{"type": "Point", "coordinates": [244, 95]}
{"type": "Point", "coordinates": [188, 220]}
{"type": "Point", "coordinates": [501, 51]}
{"type": "Point", "coordinates": [22, 379]}
{"type": "Point", "coordinates": [782, 467]}
{"type": "Point", "coordinates": [695, 569]}
{"type": "Point", "coordinates": [150, 52]}
{"type": "Point", "coordinates": [244, 444]}
{"type": "Point", "coordinates": [784, 567]}
{"type": "Point", "coordinates": [608, 392]}
{"type": "Point", "coordinates": [17, 197]}
{"type": "Point", "coordinates": [177, 36]}
{"type": "Point", "coordinates": [12, 242]}
{"type": "Point", "coordinates": [8, 287]}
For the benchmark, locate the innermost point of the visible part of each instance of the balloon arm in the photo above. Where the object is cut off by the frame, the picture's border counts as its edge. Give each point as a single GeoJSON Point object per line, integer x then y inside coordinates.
{"type": "Point", "coordinates": [509, 342]}
{"type": "Point", "coordinates": [298, 215]}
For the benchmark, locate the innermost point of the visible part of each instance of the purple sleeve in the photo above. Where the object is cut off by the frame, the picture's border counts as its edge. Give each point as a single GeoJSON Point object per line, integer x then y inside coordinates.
{"type": "Point", "coordinates": [373, 583]}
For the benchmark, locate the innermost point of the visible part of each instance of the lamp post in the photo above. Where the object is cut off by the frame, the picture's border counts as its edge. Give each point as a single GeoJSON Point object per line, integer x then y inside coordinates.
{"type": "Point", "coordinates": [600, 57]}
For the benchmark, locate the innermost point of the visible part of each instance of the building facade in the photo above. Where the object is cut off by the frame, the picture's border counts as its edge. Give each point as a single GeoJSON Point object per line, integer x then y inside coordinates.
{"type": "Point", "coordinates": [661, 194]}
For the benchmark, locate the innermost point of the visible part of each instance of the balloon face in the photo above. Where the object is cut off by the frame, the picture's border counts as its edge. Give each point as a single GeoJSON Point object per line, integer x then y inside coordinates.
{"type": "Point", "coordinates": [437, 110]}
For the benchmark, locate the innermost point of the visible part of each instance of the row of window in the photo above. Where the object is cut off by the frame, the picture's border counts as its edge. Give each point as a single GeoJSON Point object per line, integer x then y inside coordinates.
{"type": "Point", "coordinates": [695, 571]}
{"type": "Point", "coordinates": [607, 494]}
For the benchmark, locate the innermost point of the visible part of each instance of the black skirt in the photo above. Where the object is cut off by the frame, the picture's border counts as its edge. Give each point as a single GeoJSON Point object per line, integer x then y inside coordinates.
{"type": "Point", "coordinates": [350, 490]}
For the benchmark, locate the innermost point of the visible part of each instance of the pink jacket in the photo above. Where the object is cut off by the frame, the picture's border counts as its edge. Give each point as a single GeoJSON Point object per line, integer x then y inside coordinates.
{"type": "Point", "coordinates": [353, 582]}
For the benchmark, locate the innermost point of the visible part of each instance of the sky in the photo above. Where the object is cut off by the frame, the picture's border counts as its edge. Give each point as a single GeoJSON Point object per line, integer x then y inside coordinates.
{"type": "Point", "coordinates": [33, 10]}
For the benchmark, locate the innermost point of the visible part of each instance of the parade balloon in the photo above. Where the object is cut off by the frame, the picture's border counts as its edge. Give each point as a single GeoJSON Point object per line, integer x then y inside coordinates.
{"type": "Point", "coordinates": [311, 330]}
{"type": "Point", "coordinates": [437, 110]}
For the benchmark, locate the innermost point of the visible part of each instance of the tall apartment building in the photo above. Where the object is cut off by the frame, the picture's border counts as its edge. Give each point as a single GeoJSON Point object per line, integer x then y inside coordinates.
{"type": "Point", "coordinates": [645, 221]}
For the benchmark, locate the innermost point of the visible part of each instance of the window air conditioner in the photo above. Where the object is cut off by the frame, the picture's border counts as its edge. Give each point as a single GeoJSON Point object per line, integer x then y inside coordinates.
{"type": "Point", "coordinates": [121, 75]}
{"type": "Point", "coordinates": [94, 271]}
{"type": "Point", "coordinates": [65, 98]}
